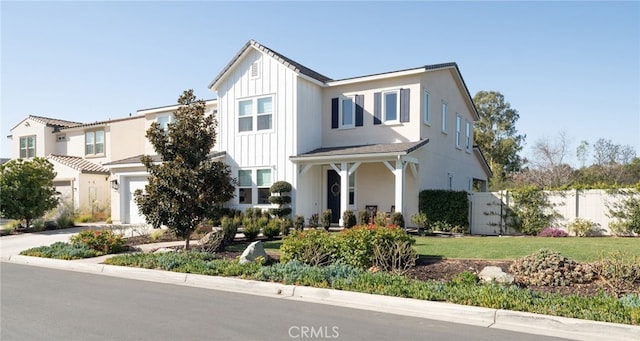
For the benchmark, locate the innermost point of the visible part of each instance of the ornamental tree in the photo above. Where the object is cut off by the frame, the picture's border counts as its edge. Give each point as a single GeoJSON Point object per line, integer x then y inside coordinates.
{"type": "Point", "coordinates": [186, 187]}
{"type": "Point", "coordinates": [26, 189]}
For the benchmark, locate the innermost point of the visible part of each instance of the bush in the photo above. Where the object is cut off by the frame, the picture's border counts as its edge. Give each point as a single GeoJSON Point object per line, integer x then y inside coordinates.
{"type": "Point", "coordinates": [229, 229]}
{"type": "Point", "coordinates": [397, 219]}
{"type": "Point", "coordinates": [620, 271]}
{"type": "Point", "coordinates": [421, 221]}
{"type": "Point", "coordinates": [312, 247]}
{"type": "Point", "coordinates": [451, 207]}
{"type": "Point", "coordinates": [548, 267]}
{"type": "Point", "coordinates": [380, 219]}
{"type": "Point", "coordinates": [251, 230]}
{"type": "Point", "coordinates": [583, 227]}
{"type": "Point", "coordinates": [298, 222]}
{"type": "Point", "coordinates": [103, 241]}
{"type": "Point", "coordinates": [61, 250]}
{"type": "Point", "coordinates": [314, 220]}
{"type": "Point", "coordinates": [285, 226]}
{"type": "Point", "coordinates": [64, 217]}
{"type": "Point", "coordinates": [364, 217]}
{"type": "Point", "coordinates": [156, 234]}
{"type": "Point", "coordinates": [272, 229]}
{"type": "Point", "coordinates": [326, 219]}
{"type": "Point", "coordinates": [348, 219]}
{"type": "Point", "coordinates": [446, 227]}
{"type": "Point", "coordinates": [553, 232]}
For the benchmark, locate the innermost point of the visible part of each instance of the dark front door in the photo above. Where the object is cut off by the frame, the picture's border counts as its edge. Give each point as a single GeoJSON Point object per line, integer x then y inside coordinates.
{"type": "Point", "coordinates": [333, 194]}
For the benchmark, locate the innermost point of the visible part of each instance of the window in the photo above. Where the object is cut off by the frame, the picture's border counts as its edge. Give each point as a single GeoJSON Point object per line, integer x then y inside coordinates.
{"type": "Point", "coordinates": [391, 106]}
{"type": "Point", "coordinates": [28, 146]}
{"type": "Point", "coordinates": [425, 112]}
{"type": "Point", "coordinates": [468, 140]}
{"type": "Point", "coordinates": [164, 121]}
{"type": "Point", "coordinates": [444, 117]}
{"type": "Point", "coordinates": [352, 189]}
{"type": "Point", "coordinates": [347, 112]}
{"type": "Point", "coordinates": [458, 131]}
{"type": "Point", "coordinates": [256, 112]}
{"type": "Point", "coordinates": [247, 185]}
{"type": "Point", "coordinates": [94, 142]}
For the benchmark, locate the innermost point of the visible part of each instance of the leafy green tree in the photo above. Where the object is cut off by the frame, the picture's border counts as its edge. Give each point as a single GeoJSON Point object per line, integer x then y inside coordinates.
{"type": "Point", "coordinates": [496, 134]}
{"type": "Point", "coordinates": [26, 189]}
{"type": "Point", "coordinates": [187, 186]}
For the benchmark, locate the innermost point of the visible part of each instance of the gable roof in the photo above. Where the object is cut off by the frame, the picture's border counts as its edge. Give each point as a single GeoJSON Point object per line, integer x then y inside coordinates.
{"type": "Point", "coordinates": [296, 67]}
{"type": "Point", "coordinates": [97, 123]}
{"type": "Point", "coordinates": [360, 152]}
{"type": "Point", "coordinates": [80, 164]}
{"type": "Point", "coordinates": [49, 122]}
{"type": "Point", "coordinates": [135, 160]}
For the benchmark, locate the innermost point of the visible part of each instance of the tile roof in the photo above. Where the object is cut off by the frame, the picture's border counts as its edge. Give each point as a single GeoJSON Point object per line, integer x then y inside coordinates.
{"type": "Point", "coordinates": [80, 164]}
{"type": "Point", "coordinates": [96, 123]}
{"type": "Point", "coordinates": [372, 149]}
{"type": "Point", "coordinates": [297, 67]}
{"type": "Point", "coordinates": [54, 122]}
{"type": "Point", "coordinates": [154, 158]}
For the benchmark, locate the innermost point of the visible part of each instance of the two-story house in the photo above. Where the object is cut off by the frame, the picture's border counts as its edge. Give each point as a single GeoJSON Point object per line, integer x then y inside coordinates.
{"type": "Point", "coordinates": [369, 142]}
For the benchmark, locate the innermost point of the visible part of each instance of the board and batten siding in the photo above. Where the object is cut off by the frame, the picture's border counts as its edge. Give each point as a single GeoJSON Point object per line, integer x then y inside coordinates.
{"type": "Point", "coordinates": [269, 149]}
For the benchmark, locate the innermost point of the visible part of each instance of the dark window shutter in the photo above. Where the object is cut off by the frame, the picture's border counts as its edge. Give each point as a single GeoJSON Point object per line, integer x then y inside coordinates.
{"type": "Point", "coordinates": [359, 110]}
{"type": "Point", "coordinates": [377, 108]}
{"type": "Point", "coordinates": [334, 113]}
{"type": "Point", "coordinates": [404, 105]}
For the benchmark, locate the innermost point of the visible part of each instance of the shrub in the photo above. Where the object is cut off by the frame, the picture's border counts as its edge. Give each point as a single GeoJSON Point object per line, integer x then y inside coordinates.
{"type": "Point", "coordinates": [380, 219]}
{"type": "Point", "coordinates": [285, 226]}
{"type": "Point", "coordinates": [298, 222]}
{"type": "Point", "coordinates": [393, 250]}
{"type": "Point", "coordinates": [280, 197]}
{"type": "Point", "coordinates": [61, 250]}
{"type": "Point", "coordinates": [348, 219]}
{"type": "Point", "coordinates": [397, 219]}
{"type": "Point", "coordinates": [251, 230]}
{"type": "Point", "coordinates": [421, 221]}
{"type": "Point", "coordinates": [553, 232]}
{"type": "Point", "coordinates": [532, 210]}
{"type": "Point", "coordinates": [272, 229]}
{"type": "Point", "coordinates": [620, 271]}
{"type": "Point", "coordinates": [229, 229]}
{"type": "Point", "coordinates": [446, 227]}
{"type": "Point", "coordinates": [64, 217]}
{"type": "Point", "coordinates": [548, 267]}
{"type": "Point", "coordinates": [103, 241]}
{"type": "Point", "coordinates": [327, 215]}
{"type": "Point", "coordinates": [627, 215]}
{"type": "Point", "coordinates": [312, 247]}
{"type": "Point", "coordinates": [314, 220]}
{"type": "Point", "coordinates": [364, 217]}
{"type": "Point", "coordinates": [583, 227]}
{"type": "Point", "coordinates": [156, 234]}
{"type": "Point", "coordinates": [444, 205]}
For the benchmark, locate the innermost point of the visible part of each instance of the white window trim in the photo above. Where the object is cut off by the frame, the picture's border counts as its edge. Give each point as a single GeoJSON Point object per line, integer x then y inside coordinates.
{"type": "Point", "coordinates": [443, 116]}
{"type": "Point", "coordinates": [254, 185]}
{"type": "Point", "coordinates": [426, 98]}
{"type": "Point", "coordinates": [254, 116]}
{"type": "Point", "coordinates": [458, 131]}
{"type": "Point", "coordinates": [341, 112]}
{"type": "Point", "coordinates": [469, 136]}
{"type": "Point", "coordinates": [384, 106]}
{"type": "Point", "coordinates": [169, 116]}
{"type": "Point", "coordinates": [26, 149]}
{"type": "Point", "coordinates": [104, 143]}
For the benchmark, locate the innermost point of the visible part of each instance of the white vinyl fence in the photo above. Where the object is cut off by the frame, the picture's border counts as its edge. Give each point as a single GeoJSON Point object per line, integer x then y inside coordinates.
{"type": "Point", "coordinates": [487, 208]}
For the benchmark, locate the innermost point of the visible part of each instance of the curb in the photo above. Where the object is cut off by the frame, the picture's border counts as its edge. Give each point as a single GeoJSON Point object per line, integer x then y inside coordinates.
{"type": "Point", "coordinates": [571, 328]}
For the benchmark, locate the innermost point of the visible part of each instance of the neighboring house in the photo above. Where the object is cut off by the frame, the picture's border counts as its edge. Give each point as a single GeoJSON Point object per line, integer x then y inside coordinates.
{"type": "Point", "coordinates": [369, 142]}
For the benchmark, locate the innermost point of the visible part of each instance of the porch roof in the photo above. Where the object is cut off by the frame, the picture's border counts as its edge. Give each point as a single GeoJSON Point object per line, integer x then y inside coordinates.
{"type": "Point", "coordinates": [79, 164]}
{"type": "Point", "coordinates": [362, 152]}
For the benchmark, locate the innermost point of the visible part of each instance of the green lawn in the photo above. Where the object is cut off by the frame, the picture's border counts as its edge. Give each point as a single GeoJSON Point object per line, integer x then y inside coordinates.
{"type": "Point", "coordinates": [579, 249]}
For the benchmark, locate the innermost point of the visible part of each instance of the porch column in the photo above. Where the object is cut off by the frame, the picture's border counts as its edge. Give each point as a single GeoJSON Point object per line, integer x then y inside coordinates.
{"type": "Point", "coordinates": [399, 175]}
{"type": "Point", "coordinates": [344, 190]}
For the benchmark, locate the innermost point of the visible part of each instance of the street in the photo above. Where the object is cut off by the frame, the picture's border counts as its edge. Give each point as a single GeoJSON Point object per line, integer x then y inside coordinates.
{"type": "Point", "coordinates": [46, 304]}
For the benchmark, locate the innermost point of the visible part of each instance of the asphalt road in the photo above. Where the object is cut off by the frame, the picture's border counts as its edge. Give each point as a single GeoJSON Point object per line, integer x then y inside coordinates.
{"type": "Point", "coordinates": [46, 304]}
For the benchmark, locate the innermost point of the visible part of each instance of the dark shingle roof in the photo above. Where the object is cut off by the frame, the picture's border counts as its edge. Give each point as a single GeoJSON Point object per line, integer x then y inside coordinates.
{"type": "Point", "coordinates": [297, 67]}
{"type": "Point", "coordinates": [78, 163]}
{"type": "Point", "coordinates": [381, 148]}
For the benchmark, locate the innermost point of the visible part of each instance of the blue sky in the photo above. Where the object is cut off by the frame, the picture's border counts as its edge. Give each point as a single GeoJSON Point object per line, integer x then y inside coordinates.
{"type": "Point", "coordinates": [565, 66]}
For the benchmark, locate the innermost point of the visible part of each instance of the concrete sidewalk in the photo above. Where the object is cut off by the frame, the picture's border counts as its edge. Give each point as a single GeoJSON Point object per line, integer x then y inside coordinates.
{"type": "Point", "coordinates": [569, 328]}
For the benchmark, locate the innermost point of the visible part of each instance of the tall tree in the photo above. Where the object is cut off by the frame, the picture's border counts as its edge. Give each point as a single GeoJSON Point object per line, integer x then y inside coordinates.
{"type": "Point", "coordinates": [548, 164]}
{"type": "Point", "coordinates": [187, 186]}
{"type": "Point", "coordinates": [496, 134]}
{"type": "Point", "coordinates": [26, 189]}
{"type": "Point", "coordinates": [611, 159]}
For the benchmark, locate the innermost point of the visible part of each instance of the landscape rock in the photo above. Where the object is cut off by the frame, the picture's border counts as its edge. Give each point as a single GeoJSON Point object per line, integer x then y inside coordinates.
{"type": "Point", "coordinates": [494, 274]}
{"type": "Point", "coordinates": [253, 251]}
{"type": "Point", "coordinates": [164, 249]}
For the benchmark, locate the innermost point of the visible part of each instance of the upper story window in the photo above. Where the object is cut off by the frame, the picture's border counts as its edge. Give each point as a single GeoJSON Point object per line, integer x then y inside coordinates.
{"type": "Point", "coordinates": [255, 114]}
{"type": "Point", "coordinates": [390, 105]}
{"type": "Point", "coordinates": [425, 110]}
{"type": "Point", "coordinates": [347, 112]}
{"type": "Point", "coordinates": [469, 131]}
{"type": "Point", "coordinates": [444, 117]}
{"type": "Point", "coordinates": [94, 142]}
{"type": "Point", "coordinates": [164, 121]}
{"type": "Point", "coordinates": [27, 146]}
{"type": "Point", "coordinates": [458, 131]}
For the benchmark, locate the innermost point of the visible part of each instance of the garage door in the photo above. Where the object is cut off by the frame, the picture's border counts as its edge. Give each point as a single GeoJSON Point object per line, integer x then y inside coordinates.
{"type": "Point", "coordinates": [65, 189]}
{"type": "Point", "coordinates": [133, 214]}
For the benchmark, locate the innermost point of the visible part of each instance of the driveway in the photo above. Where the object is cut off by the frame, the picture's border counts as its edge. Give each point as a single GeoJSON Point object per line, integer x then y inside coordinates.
{"type": "Point", "coordinates": [12, 245]}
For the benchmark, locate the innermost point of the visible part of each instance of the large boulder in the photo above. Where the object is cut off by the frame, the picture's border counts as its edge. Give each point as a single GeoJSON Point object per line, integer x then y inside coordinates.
{"type": "Point", "coordinates": [252, 252]}
{"type": "Point", "coordinates": [494, 274]}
